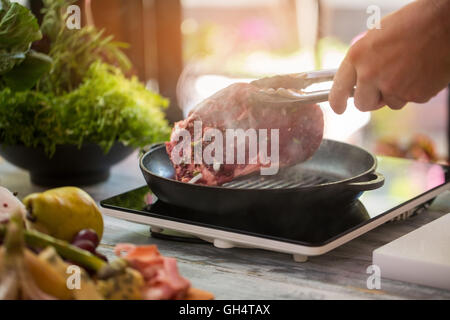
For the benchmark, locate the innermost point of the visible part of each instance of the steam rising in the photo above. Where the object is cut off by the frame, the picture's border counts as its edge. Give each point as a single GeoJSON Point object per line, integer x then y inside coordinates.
{"type": "Point", "coordinates": [241, 107]}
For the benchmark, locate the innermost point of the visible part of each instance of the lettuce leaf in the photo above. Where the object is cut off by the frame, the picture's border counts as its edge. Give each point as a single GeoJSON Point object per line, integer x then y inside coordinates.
{"type": "Point", "coordinates": [25, 75]}
{"type": "Point", "coordinates": [18, 29]}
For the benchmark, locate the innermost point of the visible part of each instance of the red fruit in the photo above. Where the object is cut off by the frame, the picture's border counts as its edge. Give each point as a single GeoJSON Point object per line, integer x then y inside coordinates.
{"type": "Point", "coordinates": [87, 234]}
{"type": "Point", "coordinates": [85, 245]}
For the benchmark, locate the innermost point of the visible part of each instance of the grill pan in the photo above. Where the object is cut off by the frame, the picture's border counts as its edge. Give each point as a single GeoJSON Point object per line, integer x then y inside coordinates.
{"type": "Point", "coordinates": [337, 174]}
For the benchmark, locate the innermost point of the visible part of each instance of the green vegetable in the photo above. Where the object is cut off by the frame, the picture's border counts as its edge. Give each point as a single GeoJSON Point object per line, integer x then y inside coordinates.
{"type": "Point", "coordinates": [20, 68]}
{"type": "Point", "coordinates": [81, 94]}
{"type": "Point", "coordinates": [73, 51]}
{"type": "Point", "coordinates": [40, 240]}
{"type": "Point", "coordinates": [84, 258]}
{"type": "Point", "coordinates": [25, 75]}
{"type": "Point", "coordinates": [18, 29]}
{"type": "Point", "coordinates": [105, 108]}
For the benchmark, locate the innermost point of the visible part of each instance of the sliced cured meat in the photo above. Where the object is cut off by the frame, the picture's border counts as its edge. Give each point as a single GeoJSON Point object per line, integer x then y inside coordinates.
{"type": "Point", "coordinates": [160, 273]}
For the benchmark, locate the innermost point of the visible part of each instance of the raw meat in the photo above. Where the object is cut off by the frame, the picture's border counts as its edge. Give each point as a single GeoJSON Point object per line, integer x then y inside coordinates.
{"type": "Point", "coordinates": [240, 106]}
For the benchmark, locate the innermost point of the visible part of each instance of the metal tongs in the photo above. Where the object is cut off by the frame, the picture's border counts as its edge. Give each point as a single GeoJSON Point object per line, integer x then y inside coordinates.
{"type": "Point", "coordinates": [290, 87]}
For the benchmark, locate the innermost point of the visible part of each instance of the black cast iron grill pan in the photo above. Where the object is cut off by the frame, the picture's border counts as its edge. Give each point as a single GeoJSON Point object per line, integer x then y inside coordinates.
{"type": "Point", "coordinates": [337, 174]}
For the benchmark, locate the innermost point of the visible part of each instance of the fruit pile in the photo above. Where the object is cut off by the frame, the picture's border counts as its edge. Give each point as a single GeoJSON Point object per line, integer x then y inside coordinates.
{"type": "Point", "coordinates": [87, 239]}
{"type": "Point", "coordinates": [49, 252]}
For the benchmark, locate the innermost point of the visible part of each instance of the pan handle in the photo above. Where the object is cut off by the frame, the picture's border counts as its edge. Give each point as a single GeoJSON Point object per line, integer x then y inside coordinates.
{"type": "Point", "coordinates": [376, 180]}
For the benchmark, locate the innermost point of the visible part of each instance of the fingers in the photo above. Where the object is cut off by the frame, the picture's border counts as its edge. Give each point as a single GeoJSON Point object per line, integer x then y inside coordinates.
{"type": "Point", "coordinates": [367, 96]}
{"type": "Point", "coordinates": [343, 84]}
{"type": "Point", "coordinates": [393, 102]}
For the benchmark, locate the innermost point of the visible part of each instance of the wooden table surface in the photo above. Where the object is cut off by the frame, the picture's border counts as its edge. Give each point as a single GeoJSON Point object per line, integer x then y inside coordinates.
{"type": "Point", "coordinates": [251, 273]}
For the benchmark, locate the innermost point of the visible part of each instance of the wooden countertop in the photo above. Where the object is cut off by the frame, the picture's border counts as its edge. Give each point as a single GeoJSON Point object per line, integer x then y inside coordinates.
{"type": "Point", "coordinates": [252, 273]}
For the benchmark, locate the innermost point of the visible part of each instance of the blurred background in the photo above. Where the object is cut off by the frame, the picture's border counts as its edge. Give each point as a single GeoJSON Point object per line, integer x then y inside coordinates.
{"type": "Point", "coordinates": [189, 49]}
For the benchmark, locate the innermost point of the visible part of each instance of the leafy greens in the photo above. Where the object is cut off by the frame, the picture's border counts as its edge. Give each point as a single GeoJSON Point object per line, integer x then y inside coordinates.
{"type": "Point", "coordinates": [73, 51]}
{"type": "Point", "coordinates": [105, 108]}
{"type": "Point", "coordinates": [78, 93]}
{"type": "Point", "coordinates": [18, 29]}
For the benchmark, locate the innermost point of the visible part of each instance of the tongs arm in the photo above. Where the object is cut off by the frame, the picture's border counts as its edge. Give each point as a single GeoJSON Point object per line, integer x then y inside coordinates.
{"type": "Point", "coordinates": [295, 81]}
{"type": "Point", "coordinates": [289, 87]}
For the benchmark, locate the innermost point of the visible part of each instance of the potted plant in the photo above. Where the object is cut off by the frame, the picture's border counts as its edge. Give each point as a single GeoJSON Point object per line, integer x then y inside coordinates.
{"type": "Point", "coordinates": [67, 112]}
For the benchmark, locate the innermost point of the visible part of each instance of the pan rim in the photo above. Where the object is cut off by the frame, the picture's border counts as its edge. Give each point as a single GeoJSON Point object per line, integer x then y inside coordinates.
{"type": "Point", "coordinates": [371, 170]}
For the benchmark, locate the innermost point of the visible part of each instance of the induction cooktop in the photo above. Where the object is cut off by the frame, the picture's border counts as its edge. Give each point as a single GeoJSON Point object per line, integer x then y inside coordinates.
{"type": "Point", "coordinates": [409, 186]}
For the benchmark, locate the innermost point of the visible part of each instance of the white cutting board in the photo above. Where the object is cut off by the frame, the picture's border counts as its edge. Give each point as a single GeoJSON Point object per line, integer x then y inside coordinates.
{"type": "Point", "coordinates": [421, 256]}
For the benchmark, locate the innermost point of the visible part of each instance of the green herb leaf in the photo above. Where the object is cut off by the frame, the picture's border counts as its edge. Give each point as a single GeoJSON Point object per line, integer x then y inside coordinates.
{"type": "Point", "coordinates": [73, 51]}
{"type": "Point", "coordinates": [18, 29]}
{"type": "Point", "coordinates": [25, 75]}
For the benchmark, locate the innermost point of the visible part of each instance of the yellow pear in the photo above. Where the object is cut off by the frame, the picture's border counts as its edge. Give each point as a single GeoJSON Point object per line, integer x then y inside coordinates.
{"type": "Point", "coordinates": [63, 212]}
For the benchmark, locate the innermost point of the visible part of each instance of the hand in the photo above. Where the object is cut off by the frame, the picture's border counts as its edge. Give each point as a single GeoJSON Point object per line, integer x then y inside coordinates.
{"type": "Point", "coordinates": [408, 59]}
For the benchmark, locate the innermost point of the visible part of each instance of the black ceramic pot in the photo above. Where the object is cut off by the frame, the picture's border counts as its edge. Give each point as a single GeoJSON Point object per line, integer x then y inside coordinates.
{"type": "Point", "coordinates": [69, 165]}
